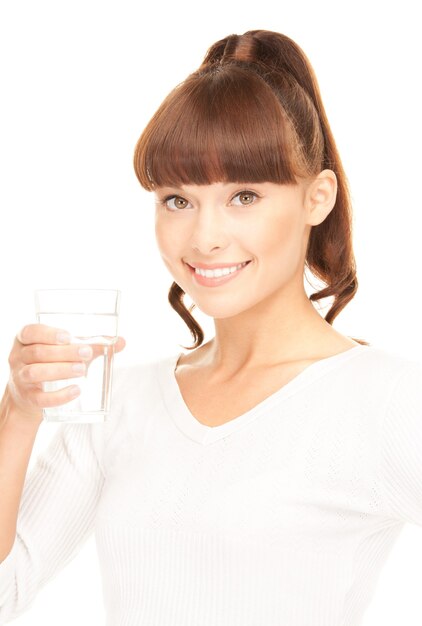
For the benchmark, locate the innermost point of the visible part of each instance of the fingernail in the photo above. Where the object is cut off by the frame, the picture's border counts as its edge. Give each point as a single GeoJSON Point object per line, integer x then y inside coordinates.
{"type": "Point", "coordinates": [79, 367]}
{"type": "Point", "coordinates": [86, 351]}
{"type": "Point", "coordinates": [63, 338]}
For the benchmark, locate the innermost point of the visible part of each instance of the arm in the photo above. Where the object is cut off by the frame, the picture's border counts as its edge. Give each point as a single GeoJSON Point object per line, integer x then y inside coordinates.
{"type": "Point", "coordinates": [17, 437]}
{"type": "Point", "coordinates": [47, 515]}
{"type": "Point", "coordinates": [401, 446]}
{"type": "Point", "coordinates": [58, 506]}
{"type": "Point", "coordinates": [56, 515]}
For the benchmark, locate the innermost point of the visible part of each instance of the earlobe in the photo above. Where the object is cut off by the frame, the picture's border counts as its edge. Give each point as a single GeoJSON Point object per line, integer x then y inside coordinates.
{"type": "Point", "coordinates": [322, 194]}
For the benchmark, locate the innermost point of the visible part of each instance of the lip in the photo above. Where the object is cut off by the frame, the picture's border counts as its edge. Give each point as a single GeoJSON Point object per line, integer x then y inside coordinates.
{"type": "Point", "coordinates": [204, 281]}
{"type": "Point", "coordinates": [214, 266]}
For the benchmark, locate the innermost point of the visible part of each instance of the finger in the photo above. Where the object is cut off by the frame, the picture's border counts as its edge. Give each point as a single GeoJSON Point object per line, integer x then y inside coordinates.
{"type": "Point", "coordinates": [42, 353]}
{"type": "Point", "coordinates": [120, 344]}
{"type": "Point", "coordinates": [41, 333]}
{"type": "Point", "coordinates": [38, 372]}
{"type": "Point", "coordinates": [100, 349]}
{"type": "Point", "coordinates": [46, 399]}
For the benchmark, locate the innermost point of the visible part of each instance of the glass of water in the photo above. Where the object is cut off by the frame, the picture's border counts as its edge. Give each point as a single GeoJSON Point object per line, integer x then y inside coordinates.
{"type": "Point", "coordinates": [90, 317]}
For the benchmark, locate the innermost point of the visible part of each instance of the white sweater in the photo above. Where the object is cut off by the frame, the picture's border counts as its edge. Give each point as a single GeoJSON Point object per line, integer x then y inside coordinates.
{"type": "Point", "coordinates": [283, 516]}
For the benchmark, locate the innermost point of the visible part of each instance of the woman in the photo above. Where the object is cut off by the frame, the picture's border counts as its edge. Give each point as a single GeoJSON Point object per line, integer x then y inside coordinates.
{"type": "Point", "coordinates": [262, 477]}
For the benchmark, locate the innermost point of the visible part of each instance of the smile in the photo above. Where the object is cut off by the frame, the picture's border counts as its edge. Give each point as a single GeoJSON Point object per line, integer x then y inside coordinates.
{"type": "Point", "coordinates": [218, 276]}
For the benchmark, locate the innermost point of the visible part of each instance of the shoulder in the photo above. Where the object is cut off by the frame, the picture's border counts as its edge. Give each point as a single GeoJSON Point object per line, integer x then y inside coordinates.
{"type": "Point", "coordinates": [400, 378]}
{"type": "Point", "coordinates": [385, 361]}
{"type": "Point", "coordinates": [372, 372]}
{"type": "Point", "coordinates": [406, 387]}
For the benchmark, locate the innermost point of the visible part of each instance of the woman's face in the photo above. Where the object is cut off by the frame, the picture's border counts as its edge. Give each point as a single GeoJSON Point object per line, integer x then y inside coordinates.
{"type": "Point", "coordinates": [264, 224]}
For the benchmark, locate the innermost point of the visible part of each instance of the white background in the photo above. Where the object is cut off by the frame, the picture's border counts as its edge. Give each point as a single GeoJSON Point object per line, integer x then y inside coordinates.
{"type": "Point", "coordinates": [80, 80]}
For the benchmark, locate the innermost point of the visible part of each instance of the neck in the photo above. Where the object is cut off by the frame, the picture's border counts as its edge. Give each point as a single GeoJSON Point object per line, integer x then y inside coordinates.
{"type": "Point", "coordinates": [290, 330]}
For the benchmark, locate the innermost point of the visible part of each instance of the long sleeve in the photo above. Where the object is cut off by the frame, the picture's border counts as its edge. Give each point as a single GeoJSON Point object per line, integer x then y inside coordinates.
{"type": "Point", "coordinates": [56, 514]}
{"type": "Point", "coordinates": [401, 451]}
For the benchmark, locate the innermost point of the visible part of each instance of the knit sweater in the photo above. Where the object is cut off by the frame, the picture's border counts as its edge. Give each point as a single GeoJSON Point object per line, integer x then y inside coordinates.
{"type": "Point", "coordinates": [282, 516]}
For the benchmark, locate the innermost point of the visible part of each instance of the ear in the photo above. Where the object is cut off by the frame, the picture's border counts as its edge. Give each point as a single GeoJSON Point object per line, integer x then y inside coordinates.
{"type": "Point", "coordinates": [320, 197]}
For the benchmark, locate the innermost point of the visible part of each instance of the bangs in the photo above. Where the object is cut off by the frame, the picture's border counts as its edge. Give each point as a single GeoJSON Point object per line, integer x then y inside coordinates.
{"type": "Point", "coordinates": [219, 125]}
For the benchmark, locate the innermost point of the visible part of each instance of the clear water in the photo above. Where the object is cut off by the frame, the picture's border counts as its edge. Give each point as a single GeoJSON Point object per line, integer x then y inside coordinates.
{"type": "Point", "coordinates": [93, 403]}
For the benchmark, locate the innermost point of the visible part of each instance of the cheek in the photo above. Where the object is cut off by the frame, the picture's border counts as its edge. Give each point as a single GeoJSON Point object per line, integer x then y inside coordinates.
{"type": "Point", "coordinates": [279, 238]}
{"type": "Point", "coordinates": [165, 238]}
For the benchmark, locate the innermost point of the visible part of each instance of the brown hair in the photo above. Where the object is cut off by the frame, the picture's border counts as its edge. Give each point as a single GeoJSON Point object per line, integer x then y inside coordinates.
{"type": "Point", "coordinates": [252, 112]}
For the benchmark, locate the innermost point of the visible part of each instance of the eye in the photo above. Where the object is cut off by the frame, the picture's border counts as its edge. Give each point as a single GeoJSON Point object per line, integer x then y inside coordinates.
{"type": "Point", "coordinates": [246, 197]}
{"type": "Point", "coordinates": [179, 203]}
{"type": "Point", "coordinates": [176, 203]}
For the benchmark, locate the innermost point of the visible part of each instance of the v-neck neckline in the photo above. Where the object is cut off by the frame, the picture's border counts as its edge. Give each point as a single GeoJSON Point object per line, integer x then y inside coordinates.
{"type": "Point", "coordinates": [203, 434]}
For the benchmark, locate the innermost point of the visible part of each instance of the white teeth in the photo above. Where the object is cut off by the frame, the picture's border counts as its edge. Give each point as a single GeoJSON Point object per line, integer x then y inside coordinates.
{"type": "Point", "coordinates": [220, 271]}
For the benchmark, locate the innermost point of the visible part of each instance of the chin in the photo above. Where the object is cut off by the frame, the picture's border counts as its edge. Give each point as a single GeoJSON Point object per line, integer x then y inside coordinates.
{"type": "Point", "coordinates": [220, 312]}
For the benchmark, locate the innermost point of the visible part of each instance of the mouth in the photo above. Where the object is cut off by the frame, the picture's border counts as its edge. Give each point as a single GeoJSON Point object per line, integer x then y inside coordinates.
{"type": "Point", "coordinates": [215, 266]}
{"type": "Point", "coordinates": [218, 276]}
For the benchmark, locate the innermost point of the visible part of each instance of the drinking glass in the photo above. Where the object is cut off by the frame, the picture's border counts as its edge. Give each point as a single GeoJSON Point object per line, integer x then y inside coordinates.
{"type": "Point", "coordinates": [90, 316]}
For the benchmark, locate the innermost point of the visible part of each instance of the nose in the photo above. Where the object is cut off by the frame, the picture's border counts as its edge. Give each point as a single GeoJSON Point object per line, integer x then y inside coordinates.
{"type": "Point", "coordinates": [209, 230]}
